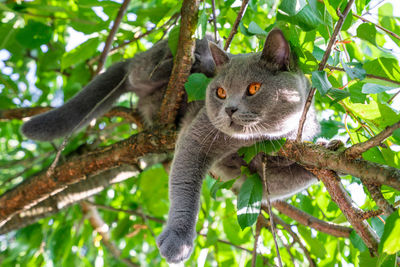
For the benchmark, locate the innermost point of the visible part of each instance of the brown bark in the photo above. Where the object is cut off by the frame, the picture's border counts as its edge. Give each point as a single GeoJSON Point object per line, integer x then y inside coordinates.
{"type": "Point", "coordinates": [128, 151]}
{"type": "Point", "coordinates": [70, 195]}
{"type": "Point", "coordinates": [319, 157]}
{"type": "Point", "coordinates": [346, 205]}
{"type": "Point", "coordinates": [310, 221]}
{"type": "Point", "coordinates": [182, 63]}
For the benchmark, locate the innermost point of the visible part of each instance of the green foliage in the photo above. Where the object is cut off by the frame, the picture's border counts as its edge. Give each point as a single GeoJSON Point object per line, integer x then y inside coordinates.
{"type": "Point", "coordinates": [249, 201]}
{"type": "Point", "coordinates": [48, 52]}
{"type": "Point", "coordinates": [196, 86]}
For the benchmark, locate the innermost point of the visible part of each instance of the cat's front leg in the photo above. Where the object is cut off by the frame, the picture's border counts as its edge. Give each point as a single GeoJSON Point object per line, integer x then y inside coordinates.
{"type": "Point", "coordinates": [196, 149]}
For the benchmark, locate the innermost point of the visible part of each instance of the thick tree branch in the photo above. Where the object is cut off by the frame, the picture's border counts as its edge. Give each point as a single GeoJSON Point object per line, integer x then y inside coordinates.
{"type": "Point", "coordinates": [102, 228]}
{"type": "Point", "coordinates": [236, 24]}
{"type": "Point", "coordinates": [39, 187]}
{"type": "Point", "coordinates": [321, 66]}
{"type": "Point", "coordinates": [312, 155]}
{"type": "Point", "coordinates": [111, 35]}
{"type": "Point", "coordinates": [70, 195]}
{"type": "Point", "coordinates": [357, 149]}
{"type": "Point", "coordinates": [352, 213]}
{"type": "Point", "coordinates": [182, 62]}
{"type": "Point", "coordinates": [310, 221]}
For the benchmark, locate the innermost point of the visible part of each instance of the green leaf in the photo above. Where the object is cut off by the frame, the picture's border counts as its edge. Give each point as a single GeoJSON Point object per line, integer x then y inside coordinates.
{"type": "Point", "coordinates": [220, 185]}
{"type": "Point", "coordinates": [370, 88]}
{"type": "Point", "coordinates": [385, 67]}
{"type": "Point", "coordinates": [379, 114]}
{"type": "Point", "coordinates": [338, 94]}
{"type": "Point", "coordinates": [354, 72]}
{"type": "Point", "coordinates": [390, 239]}
{"type": "Point", "coordinates": [244, 30]}
{"type": "Point", "coordinates": [367, 32]}
{"type": "Point", "coordinates": [267, 146]}
{"type": "Point", "coordinates": [249, 201]}
{"type": "Point", "coordinates": [203, 22]}
{"type": "Point", "coordinates": [154, 182]}
{"type": "Point", "coordinates": [356, 95]}
{"type": "Point", "coordinates": [196, 86]}
{"type": "Point", "coordinates": [255, 29]}
{"type": "Point", "coordinates": [173, 39]}
{"type": "Point", "coordinates": [357, 242]}
{"type": "Point", "coordinates": [80, 53]}
{"type": "Point", "coordinates": [34, 34]}
{"type": "Point", "coordinates": [365, 260]}
{"type": "Point", "coordinates": [320, 81]}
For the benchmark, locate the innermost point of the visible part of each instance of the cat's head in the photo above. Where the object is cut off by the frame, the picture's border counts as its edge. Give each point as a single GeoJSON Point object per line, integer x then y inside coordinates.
{"type": "Point", "coordinates": [259, 94]}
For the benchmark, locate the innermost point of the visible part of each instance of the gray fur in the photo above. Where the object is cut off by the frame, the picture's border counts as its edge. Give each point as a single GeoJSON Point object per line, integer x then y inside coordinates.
{"type": "Point", "coordinates": [212, 138]}
{"type": "Point", "coordinates": [146, 74]}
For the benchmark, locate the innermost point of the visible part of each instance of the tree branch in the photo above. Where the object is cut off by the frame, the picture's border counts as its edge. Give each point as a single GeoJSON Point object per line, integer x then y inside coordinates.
{"type": "Point", "coordinates": [132, 116]}
{"type": "Point", "coordinates": [368, 75]}
{"type": "Point", "coordinates": [319, 157]}
{"type": "Point", "coordinates": [111, 35]}
{"type": "Point", "coordinates": [132, 212]}
{"type": "Point", "coordinates": [70, 195]}
{"type": "Point", "coordinates": [352, 213]}
{"type": "Point", "coordinates": [102, 228]}
{"type": "Point", "coordinates": [378, 26]}
{"type": "Point", "coordinates": [182, 62]}
{"type": "Point", "coordinates": [380, 201]}
{"type": "Point", "coordinates": [39, 187]}
{"type": "Point", "coordinates": [236, 24]}
{"type": "Point", "coordinates": [321, 66]}
{"type": "Point", "coordinates": [310, 221]}
{"type": "Point", "coordinates": [295, 237]}
{"type": "Point", "coordinates": [357, 149]}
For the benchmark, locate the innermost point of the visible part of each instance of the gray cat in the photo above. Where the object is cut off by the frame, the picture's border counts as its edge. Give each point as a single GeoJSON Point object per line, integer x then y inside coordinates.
{"type": "Point", "coordinates": [253, 97]}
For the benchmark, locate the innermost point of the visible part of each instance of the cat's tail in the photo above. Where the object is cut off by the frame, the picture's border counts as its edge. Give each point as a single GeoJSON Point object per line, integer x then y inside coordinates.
{"type": "Point", "coordinates": [93, 101]}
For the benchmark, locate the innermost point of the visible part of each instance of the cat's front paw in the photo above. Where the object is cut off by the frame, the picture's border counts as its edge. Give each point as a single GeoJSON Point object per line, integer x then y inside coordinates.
{"type": "Point", "coordinates": [175, 245]}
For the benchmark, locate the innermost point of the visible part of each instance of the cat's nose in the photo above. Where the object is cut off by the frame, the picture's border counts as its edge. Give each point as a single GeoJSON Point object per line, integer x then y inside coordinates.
{"type": "Point", "coordinates": [230, 110]}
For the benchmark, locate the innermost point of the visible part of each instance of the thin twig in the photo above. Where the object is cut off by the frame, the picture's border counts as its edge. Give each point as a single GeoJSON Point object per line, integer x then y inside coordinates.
{"type": "Point", "coordinates": [111, 35]}
{"type": "Point", "coordinates": [230, 244]}
{"type": "Point", "coordinates": [368, 75]}
{"type": "Point", "coordinates": [171, 21]}
{"type": "Point", "coordinates": [132, 212]}
{"type": "Point", "coordinates": [215, 22]}
{"type": "Point", "coordinates": [295, 237]}
{"type": "Point", "coordinates": [256, 237]}
{"type": "Point", "coordinates": [236, 24]}
{"type": "Point", "coordinates": [357, 149]}
{"type": "Point", "coordinates": [264, 178]}
{"type": "Point", "coordinates": [378, 26]}
{"type": "Point", "coordinates": [321, 67]}
{"type": "Point", "coordinates": [393, 97]}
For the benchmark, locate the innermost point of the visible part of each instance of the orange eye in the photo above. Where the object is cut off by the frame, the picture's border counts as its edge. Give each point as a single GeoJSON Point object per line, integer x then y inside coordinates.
{"type": "Point", "coordinates": [221, 93]}
{"type": "Point", "coordinates": [253, 88]}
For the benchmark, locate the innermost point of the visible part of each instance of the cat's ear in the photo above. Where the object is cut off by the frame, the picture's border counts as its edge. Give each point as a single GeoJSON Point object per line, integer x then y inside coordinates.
{"type": "Point", "coordinates": [276, 52]}
{"type": "Point", "coordinates": [220, 56]}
